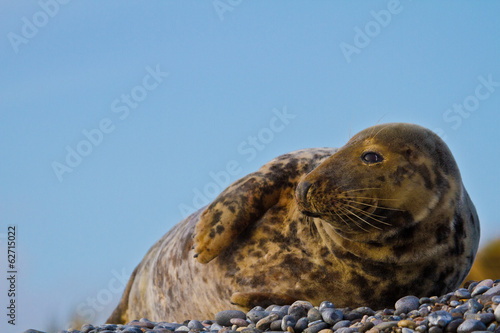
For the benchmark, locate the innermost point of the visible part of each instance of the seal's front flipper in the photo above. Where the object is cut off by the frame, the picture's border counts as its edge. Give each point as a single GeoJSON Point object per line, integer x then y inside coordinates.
{"type": "Point", "coordinates": [248, 199]}
{"type": "Point", "coordinates": [250, 300]}
{"type": "Point", "coordinates": [231, 212]}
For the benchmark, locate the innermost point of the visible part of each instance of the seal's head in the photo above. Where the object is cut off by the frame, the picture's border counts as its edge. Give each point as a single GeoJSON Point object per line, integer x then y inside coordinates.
{"type": "Point", "coordinates": [386, 177]}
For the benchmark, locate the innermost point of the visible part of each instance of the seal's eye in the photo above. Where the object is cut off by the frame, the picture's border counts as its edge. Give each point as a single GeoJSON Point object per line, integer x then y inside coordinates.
{"type": "Point", "coordinates": [371, 157]}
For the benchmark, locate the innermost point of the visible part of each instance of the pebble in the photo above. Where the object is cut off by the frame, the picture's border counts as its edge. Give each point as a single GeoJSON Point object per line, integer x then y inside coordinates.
{"type": "Point", "coordinates": [488, 295]}
{"type": "Point", "coordinates": [386, 325]}
{"type": "Point", "coordinates": [486, 318]}
{"type": "Point", "coordinates": [86, 328]}
{"type": "Point", "coordinates": [215, 327]}
{"type": "Point", "coordinates": [406, 304]}
{"type": "Point", "coordinates": [288, 321]}
{"type": "Point", "coordinates": [407, 330]}
{"type": "Point", "coordinates": [463, 293]}
{"type": "Point", "coordinates": [316, 327]}
{"type": "Point", "coordinates": [342, 323]}
{"type": "Point", "coordinates": [472, 286]}
{"type": "Point", "coordinates": [326, 330]}
{"type": "Point", "coordinates": [178, 329]}
{"type": "Point", "coordinates": [472, 309]}
{"type": "Point", "coordinates": [474, 306]}
{"type": "Point", "coordinates": [365, 327]}
{"type": "Point", "coordinates": [238, 322]}
{"type": "Point", "coordinates": [353, 315]}
{"type": "Point", "coordinates": [255, 315]}
{"type": "Point", "coordinates": [346, 330]}
{"type": "Point", "coordinates": [265, 322]}
{"type": "Point", "coordinates": [435, 329]}
{"type": "Point", "coordinates": [453, 325]}
{"type": "Point", "coordinates": [425, 300]}
{"type": "Point", "coordinates": [326, 304]}
{"type": "Point", "coordinates": [223, 318]}
{"type": "Point", "coordinates": [275, 325]}
{"type": "Point", "coordinates": [250, 330]}
{"type": "Point", "coordinates": [313, 314]}
{"type": "Point", "coordinates": [332, 316]}
{"type": "Point", "coordinates": [440, 318]}
{"type": "Point", "coordinates": [301, 325]}
{"type": "Point", "coordinates": [487, 282]}
{"type": "Point", "coordinates": [497, 314]}
{"type": "Point", "coordinates": [471, 325]}
{"type": "Point", "coordinates": [421, 328]}
{"type": "Point", "coordinates": [407, 323]}
{"type": "Point", "coordinates": [365, 311]}
{"type": "Point", "coordinates": [195, 325]}
{"type": "Point", "coordinates": [479, 290]}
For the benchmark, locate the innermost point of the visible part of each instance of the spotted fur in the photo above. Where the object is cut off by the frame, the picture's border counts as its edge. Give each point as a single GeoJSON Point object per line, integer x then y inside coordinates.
{"type": "Point", "coordinates": [318, 224]}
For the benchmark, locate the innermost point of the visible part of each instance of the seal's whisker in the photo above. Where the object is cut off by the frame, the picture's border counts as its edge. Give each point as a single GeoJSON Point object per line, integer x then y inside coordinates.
{"type": "Point", "coordinates": [362, 189]}
{"type": "Point", "coordinates": [370, 215]}
{"type": "Point", "coordinates": [364, 211]}
{"type": "Point", "coordinates": [383, 128]}
{"type": "Point", "coordinates": [376, 206]}
{"type": "Point", "coordinates": [377, 198]}
{"type": "Point", "coordinates": [350, 218]}
{"type": "Point", "coordinates": [362, 219]}
{"type": "Point", "coordinates": [336, 213]}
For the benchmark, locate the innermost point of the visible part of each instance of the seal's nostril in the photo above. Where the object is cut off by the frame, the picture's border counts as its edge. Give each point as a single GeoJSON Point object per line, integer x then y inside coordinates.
{"type": "Point", "coordinates": [301, 191]}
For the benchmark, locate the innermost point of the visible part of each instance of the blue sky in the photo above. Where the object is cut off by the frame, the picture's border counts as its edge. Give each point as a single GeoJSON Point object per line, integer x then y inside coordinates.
{"type": "Point", "coordinates": [180, 98]}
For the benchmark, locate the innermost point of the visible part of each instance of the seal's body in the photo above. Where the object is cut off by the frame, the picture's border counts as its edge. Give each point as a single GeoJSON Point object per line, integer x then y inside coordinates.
{"type": "Point", "coordinates": [382, 217]}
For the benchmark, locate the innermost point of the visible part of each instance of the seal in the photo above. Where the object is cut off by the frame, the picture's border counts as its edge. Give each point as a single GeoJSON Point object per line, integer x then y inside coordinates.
{"type": "Point", "coordinates": [382, 217]}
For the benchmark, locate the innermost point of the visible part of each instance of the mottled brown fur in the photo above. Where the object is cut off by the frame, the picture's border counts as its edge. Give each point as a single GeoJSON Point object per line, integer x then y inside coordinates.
{"type": "Point", "coordinates": [318, 224]}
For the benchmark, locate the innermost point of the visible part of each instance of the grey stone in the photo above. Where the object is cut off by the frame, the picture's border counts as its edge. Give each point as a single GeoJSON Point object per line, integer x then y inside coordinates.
{"type": "Point", "coordinates": [346, 330]}
{"type": "Point", "coordinates": [406, 304]}
{"type": "Point", "coordinates": [332, 316]}
{"type": "Point", "coordinates": [407, 330]}
{"type": "Point", "coordinates": [288, 321]}
{"type": "Point", "coordinates": [474, 306]}
{"type": "Point", "coordinates": [316, 328]}
{"type": "Point", "coordinates": [255, 315]}
{"type": "Point", "coordinates": [453, 325]}
{"type": "Point", "coordinates": [435, 329]}
{"type": "Point", "coordinates": [313, 314]}
{"type": "Point", "coordinates": [497, 313]}
{"type": "Point", "coordinates": [440, 318]}
{"type": "Point", "coordinates": [365, 311]}
{"type": "Point", "coordinates": [485, 318]}
{"type": "Point", "coordinates": [471, 325]}
{"type": "Point", "coordinates": [223, 318]}
{"type": "Point", "coordinates": [463, 293]}
{"type": "Point", "coordinates": [386, 325]}
{"type": "Point", "coordinates": [326, 304]}
{"type": "Point", "coordinates": [342, 323]}
{"type": "Point", "coordinates": [487, 296]}
{"type": "Point", "coordinates": [265, 322]}
{"type": "Point", "coordinates": [301, 325]}
{"type": "Point", "coordinates": [479, 290]}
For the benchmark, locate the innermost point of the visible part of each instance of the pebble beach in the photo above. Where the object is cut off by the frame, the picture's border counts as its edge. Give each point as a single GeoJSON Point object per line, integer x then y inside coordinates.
{"type": "Point", "coordinates": [474, 308]}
